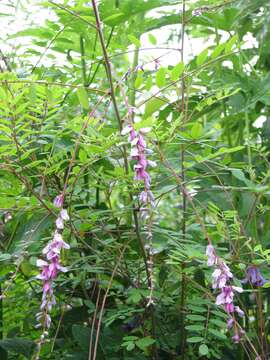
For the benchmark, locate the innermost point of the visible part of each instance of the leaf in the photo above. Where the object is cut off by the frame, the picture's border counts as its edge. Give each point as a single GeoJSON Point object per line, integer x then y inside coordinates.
{"type": "Point", "coordinates": [203, 349]}
{"type": "Point", "coordinates": [230, 43]}
{"type": "Point", "coordinates": [217, 334]}
{"type": "Point", "coordinates": [195, 339]}
{"type": "Point", "coordinates": [83, 155]}
{"type": "Point", "coordinates": [18, 346]}
{"type": "Point", "coordinates": [161, 77]}
{"type": "Point", "coordinates": [145, 342]}
{"type": "Point", "coordinates": [196, 130]}
{"type": "Point", "coordinates": [112, 19]}
{"type": "Point", "coordinates": [177, 71]}
{"type": "Point", "coordinates": [139, 79]}
{"type": "Point", "coordinates": [202, 57]}
{"type": "Point", "coordinates": [83, 97]}
{"type": "Point", "coordinates": [134, 296]}
{"type": "Point", "coordinates": [5, 257]}
{"type": "Point", "coordinates": [217, 51]}
{"type": "Point", "coordinates": [195, 327]}
{"type": "Point", "coordinates": [195, 317]}
{"type": "Point", "coordinates": [153, 105]}
{"type": "Point", "coordinates": [134, 40]}
{"type": "Point", "coordinates": [130, 346]}
{"type": "Point", "coordinates": [152, 39]}
{"type": "Point", "coordinates": [237, 173]}
{"type": "Point", "coordinates": [81, 334]}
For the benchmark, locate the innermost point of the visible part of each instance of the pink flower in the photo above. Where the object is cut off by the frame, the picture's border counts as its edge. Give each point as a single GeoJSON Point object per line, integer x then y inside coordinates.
{"type": "Point", "coordinates": [50, 269]}
{"type": "Point", "coordinates": [59, 223]}
{"type": "Point", "coordinates": [226, 296]}
{"type": "Point", "coordinates": [229, 308]}
{"type": "Point", "coordinates": [254, 276]}
{"type": "Point", "coordinates": [211, 254]}
{"type": "Point", "coordinates": [221, 275]}
{"type": "Point", "coordinates": [219, 279]}
{"type": "Point", "coordinates": [147, 197]}
{"type": "Point", "coordinates": [63, 216]}
{"type": "Point", "coordinates": [236, 338]}
{"type": "Point", "coordinates": [239, 311]}
{"type": "Point", "coordinates": [138, 153]}
{"type": "Point", "coordinates": [58, 201]}
{"type": "Point", "coordinates": [230, 323]}
{"type": "Point", "coordinates": [126, 130]}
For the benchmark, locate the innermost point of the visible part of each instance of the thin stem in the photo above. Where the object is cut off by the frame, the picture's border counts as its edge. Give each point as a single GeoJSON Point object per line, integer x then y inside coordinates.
{"type": "Point", "coordinates": [120, 125]}
{"type": "Point", "coordinates": [83, 63]}
{"type": "Point", "coordinates": [72, 13]}
{"type": "Point", "coordinates": [84, 78]}
{"type": "Point", "coordinates": [184, 200]}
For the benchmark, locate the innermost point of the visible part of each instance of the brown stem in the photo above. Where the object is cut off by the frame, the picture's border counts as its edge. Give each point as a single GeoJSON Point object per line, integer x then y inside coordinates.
{"type": "Point", "coordinates": [120, 125]}
{"type": "Point", "coordinates": [184, 200]}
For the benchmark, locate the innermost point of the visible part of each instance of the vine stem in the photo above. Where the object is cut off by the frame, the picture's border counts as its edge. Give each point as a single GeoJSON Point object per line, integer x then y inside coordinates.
{"type": "Point", "coordinates": [120, 126]}
{"type": "Point", "coordinates": [184, 200]}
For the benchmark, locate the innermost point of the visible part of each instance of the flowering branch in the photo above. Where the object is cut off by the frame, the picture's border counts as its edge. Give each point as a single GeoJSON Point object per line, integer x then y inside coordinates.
{"type": "Point", "coordinates": [222, 277]}
{"type": "Point", "coordinates": [50, 269]}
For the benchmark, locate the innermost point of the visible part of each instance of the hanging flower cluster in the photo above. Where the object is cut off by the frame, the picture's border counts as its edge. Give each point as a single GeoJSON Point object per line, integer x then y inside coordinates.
{"type": "Point", "coordinates": [222, 277]}
{"type": "Point", "coordinates": [51, 266]}
{"type": "Point", "coordinates": [254, 276]}
{"type": "Point", "coordinates": [139, 153]}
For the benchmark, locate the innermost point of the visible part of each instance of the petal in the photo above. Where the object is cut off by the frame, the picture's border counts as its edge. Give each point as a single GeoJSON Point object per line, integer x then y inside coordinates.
{"type": "Point", "coordinates": [216, 273]}
{"type": "Point", "coordinates": [220, 299]}
{"type": "Point", "coordinates": [58, 201]}
{"type": "Point", "coordinates": [210, 250]}
{"type": "Point", "coordinates": [62, 268]}
{"type": "Point", "coordinates": [134, 141]}
{"type": "Point", "coordinates": [59, 223]}
{"type": "Point", "coordinates": [230, 323]}
{"type": "Point", "coordinates": [145, 130]}
{"type": "Point", "coordinates": [126, 130]}
{"type": "Point", "coordinates": [238, 289]}
{"type": "Point", "coordinates": [222, 281]}
{"type": "Point", "coordinates": [152, 163]}
{"type": "Point", "coordinates": [57, 236]}
{"type": "Point", "coordinates": [239, 311]}
{"type": "Point", "coordinates": [41, 263]}
{"type": "Point", "coordinates": [64, 214]}
{"type": "Point", "coordinates": [65, 245]}
{"type": "Point", "coordinates": [134, 152]}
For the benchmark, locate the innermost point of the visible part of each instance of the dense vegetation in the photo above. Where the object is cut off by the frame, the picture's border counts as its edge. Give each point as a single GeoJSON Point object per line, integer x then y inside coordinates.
{"type": "Point", "coordinates": [126, 152]}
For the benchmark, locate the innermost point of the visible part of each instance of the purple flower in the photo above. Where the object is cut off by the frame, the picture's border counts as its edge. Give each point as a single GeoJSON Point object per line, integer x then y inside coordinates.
{"type": "Point", "coordinates": [211, 255]}
{"type": "Point", "coordinates": [146, 197]}
{"type": "Point", "coordinates": [226, 298]}
{"type": "Point", "coordinates": [50, 269]}
{"type": "Point", "coordinates": [63, 216]}
{"type": "Point", "coordinates": [239, 311]}
{"type": "Point", "coordinates": [138, 153]}
{"type": "Point", "coordinates": [221, 275]}
{"type": "Point", "coordinates": [197, 12]}
{"type": "Point", "coordinates": [254, 276]}
{"type": "Point", "coordinates": [157, 64]}
{"type": "Point", "coordinates": [236, 338]}
{"type": "Point", "coordinates": [230, 323]}
{"type": "Point", "coordinates": [58, 201]}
